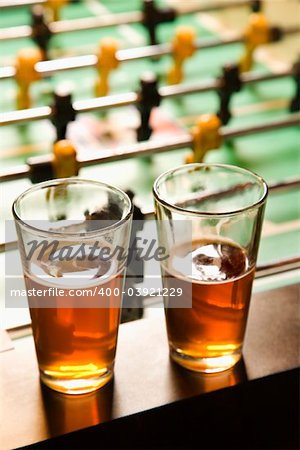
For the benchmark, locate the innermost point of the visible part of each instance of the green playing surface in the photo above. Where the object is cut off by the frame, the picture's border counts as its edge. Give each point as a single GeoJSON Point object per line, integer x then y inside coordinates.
{"type": "Point", "coordinates": [274, 155]}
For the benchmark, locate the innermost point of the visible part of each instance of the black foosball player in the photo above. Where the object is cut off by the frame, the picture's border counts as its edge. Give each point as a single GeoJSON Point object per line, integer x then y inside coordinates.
{"type": "Point", "coordinates": [148, 98]}
{"type": "Point", "coordinates": [132, 308]}
{"type": "Point", "coordinates": [62, 113]}
{"type": "Point", "coordinates": [132, 305]}
{"type": "Point", "coordinates": [41, 33]}
{"type": "Point", "coordinates": [295, 103]}
{"type": "Point", "coordinates": [229, 83]}
{"type": "Point", "coordinates": [153, 16]}
{"type": "Point", "coordinates": [103, 217]}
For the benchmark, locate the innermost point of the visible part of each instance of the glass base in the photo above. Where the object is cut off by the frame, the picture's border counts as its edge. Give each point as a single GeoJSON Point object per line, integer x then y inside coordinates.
{"type": "Point", "coordinates": [74, 385]}
{"type": "Point", "coordinates": [205, 365]}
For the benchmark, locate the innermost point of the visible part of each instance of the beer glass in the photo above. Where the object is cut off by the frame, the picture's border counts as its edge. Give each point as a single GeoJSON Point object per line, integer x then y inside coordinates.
{"type": "Point", "coordinates": [209, 219]}
{"type": "Point", "coordinates": [73, 239]}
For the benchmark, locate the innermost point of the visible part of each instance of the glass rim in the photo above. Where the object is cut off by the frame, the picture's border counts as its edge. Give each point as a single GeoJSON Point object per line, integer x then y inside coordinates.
{"type": "Point", "coordinates": [71, 180]}
{"type": "Point", "coordinates": [206, 214]}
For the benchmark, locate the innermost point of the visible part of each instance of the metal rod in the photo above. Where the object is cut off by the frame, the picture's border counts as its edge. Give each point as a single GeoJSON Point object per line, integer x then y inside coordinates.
{"type": "Point", "coordinates": [279, 266]}
{"type": "Point", "coordinates": [25, 115]}
{"type": "Point", "coordinates": [7, 72]}
{"type": "Point", "coordinates": [81, 24]}
{"type": "Point", "coordinates": [151, 147]}
{"type": "Point", "coordinates": [218, 5]}
{"type": "Point", "coordinates": [276, 124]}
{"type": "Point", "coordinates": [288, 184]}
{"type": "Point", "coordinates": [148, 51]}
{"type": "Point", "coordinates": [18, 3]}
{"type": "Point", "coordinates": [196, 197]}
{"type": "Point", "coordinates": [90, 23]}
{"type": "Point", "coordinates": [109, 19]}
{"type": "Point", "coordinates": [177, 143]}
{"type": "Point", "coordinates": [98, 103]}
{"type": "Point", "coordinates": [47, 68]}
{"type": "Point", "coordinates": [249, 77]}
{"type": "Point", "coordinates": [16, 173]}
{"type": "Point", "coordinates": [130, 98]}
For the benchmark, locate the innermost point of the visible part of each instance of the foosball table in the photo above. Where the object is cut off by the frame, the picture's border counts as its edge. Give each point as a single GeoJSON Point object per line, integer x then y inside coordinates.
{"type": "Point", "coordinates": [122, 91]}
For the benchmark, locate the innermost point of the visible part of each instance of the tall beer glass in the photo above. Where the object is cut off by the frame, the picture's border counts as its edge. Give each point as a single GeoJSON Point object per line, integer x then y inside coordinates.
{"type": "Point", "coordinates": [209, 220]}
{"type": "Point", "coordinates": [73, 238]}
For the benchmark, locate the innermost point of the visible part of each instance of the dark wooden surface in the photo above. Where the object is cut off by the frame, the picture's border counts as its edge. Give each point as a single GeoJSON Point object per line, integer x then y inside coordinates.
{"type": "Point", "coordinates": [145, 379]}
{"type": "Point", "coordinates": [259, 414]}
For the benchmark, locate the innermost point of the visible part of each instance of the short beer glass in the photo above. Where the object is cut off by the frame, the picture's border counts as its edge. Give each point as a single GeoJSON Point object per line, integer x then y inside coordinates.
{"type": "Point", "coordinates": [209, 220]}
{"type": "Point", "coordinates": [73, 238]}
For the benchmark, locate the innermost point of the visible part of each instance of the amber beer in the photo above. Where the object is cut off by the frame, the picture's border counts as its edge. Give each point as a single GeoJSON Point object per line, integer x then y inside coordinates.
{"type": "Point", "coordinates": [74, 344]}
{"type": "Point", "coordinates": [209, 218]}
{"type": "Point", "coordinates": [75, 320]}
{"type": "Point", "coordinates": [73, 238]}
{"type": "Point", "coordinates": [217, 275]}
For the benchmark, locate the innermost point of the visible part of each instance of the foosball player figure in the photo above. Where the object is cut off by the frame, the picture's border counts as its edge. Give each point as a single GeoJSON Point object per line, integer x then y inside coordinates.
{"type": "Point", "coordinates": [206, 136]}
{"type": "Point", "coordinates": [64, 165]}
{"type": "Point", "coordinates": [230, 82]}
{"type": "Point", "coordinates": [153, 16]}
{"type": "Point", "coordinates": [41, 33]}
{"type": "Point", "coordinates": [183, 48]}
{"type": "Point", "coordinates": [55, 6]}
{"type": "Point", "coordinates": [108, 215]}
{"type": "Point", "coordinates": [148, 98]}
{"type": "Point", "coordinates": [103, 217]}
{"type": "Point", "coordinates": [295, 103]}
{"type": "Point", "coordinates": [62, 113]}
{"type": "Point", "coordinates": [132, 306]}
{"type": "Point", "coordinates": [257, 33]}
{"type": "Point", "coordinates": [26, 74]}
{"type": "Point", "coordinates": [107, 62]}
{"type": "Point", "coordinates": [64, 159]}
{"type": "Point", "coordinates": [256, 6]}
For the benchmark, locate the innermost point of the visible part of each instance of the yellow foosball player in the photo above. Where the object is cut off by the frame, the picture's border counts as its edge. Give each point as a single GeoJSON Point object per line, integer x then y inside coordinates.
{"type": "Point", "coordinates": [258, 32]}
{"type": "Point", "coordinates": [183, 47]}
{"type": "Point", "coordinates": [64, 159]}
{"type": "Point", "coordinates": [206, 136]}
{"type": "Point", "coordinates": [64, 165]}
{"type": "Point", "coordinates": [55, 6]}
{"type": "Point", "coordinates": [107, 62]}
{"type": "Point", "coordinates": [26, 74]}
